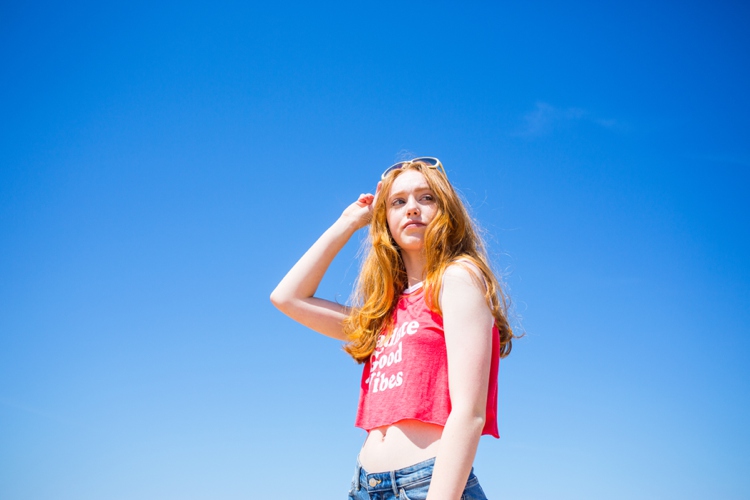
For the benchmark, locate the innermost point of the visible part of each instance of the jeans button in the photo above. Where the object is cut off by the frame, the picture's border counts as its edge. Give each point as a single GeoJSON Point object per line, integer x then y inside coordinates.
{"type": "Point", "coordinates": [373, 482]}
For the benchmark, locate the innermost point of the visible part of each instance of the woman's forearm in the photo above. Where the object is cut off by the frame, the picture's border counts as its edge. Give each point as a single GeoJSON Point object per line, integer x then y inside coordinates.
{"type": "Point", "coordinates": [295, 294]}
{"type": "Point", "coordinates": [458, 447]}
{"type": "Point", "coordinates": [303, 278]}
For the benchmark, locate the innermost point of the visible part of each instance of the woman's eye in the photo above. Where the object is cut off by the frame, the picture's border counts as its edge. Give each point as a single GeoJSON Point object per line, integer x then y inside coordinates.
{"type": "Point", "coordinates": [397, 201]}
{"type": "Point", "coordinates": [428, 197]}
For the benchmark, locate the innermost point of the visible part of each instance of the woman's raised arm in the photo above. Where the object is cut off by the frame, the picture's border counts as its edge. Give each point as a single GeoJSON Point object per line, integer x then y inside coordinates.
{"type": "Point", "coordinates": [295, 294]}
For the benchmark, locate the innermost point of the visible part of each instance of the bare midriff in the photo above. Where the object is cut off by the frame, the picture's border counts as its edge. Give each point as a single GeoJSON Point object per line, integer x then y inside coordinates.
{"type": "Point", "coordinates": [400, 445]}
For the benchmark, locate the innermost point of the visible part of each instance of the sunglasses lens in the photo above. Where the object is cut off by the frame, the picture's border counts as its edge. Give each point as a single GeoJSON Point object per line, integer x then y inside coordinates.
{"type": "Point", "coordinates": [428, 160]}
{"type": "Point", "coordinates": [392, 168]}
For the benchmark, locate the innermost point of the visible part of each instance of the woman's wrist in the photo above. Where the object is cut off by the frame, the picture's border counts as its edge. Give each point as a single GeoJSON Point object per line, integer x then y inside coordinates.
{"type": "Point", "coordinates": [348, 225]}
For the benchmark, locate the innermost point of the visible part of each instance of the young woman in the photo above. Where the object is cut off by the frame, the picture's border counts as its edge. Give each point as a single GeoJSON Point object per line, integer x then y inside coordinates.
{"type": "Point", "coordinates": [429, 323]}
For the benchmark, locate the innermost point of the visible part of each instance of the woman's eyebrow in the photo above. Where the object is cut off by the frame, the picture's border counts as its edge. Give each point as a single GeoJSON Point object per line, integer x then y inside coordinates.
{"type": "Point", "coordinates": [418, 188]}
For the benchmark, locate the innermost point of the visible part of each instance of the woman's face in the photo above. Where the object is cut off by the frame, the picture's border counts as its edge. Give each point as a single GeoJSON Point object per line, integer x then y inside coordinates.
{"type": "Point", "coordinates": [411, 207]}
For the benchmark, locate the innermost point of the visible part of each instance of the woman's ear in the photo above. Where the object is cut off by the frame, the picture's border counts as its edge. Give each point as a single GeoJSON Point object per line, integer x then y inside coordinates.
{"type": "Point", "coordinates": [377, 193]}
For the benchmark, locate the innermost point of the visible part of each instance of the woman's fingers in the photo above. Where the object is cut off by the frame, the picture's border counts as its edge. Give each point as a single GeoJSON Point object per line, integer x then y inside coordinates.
{"type": "Point", "coordinates": [361, 210]}
{"type": "Point", "coordinates": [365, 199]}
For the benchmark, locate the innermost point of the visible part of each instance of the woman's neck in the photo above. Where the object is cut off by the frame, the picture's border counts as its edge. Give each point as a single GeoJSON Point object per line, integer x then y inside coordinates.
{"type": "Point", "coordinates": [415, 264]}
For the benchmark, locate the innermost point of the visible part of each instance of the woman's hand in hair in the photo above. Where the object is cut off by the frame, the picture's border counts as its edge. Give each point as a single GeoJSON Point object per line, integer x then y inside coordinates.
{"type": "Point", "coordinates": [295, 294]}
{"type": "Point", "coordinates": [359, 213]}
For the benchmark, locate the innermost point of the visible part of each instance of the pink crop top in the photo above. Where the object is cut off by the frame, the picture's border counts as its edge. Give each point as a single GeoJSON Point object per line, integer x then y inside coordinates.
{"type": "Point", "coordinates": [406, 376]}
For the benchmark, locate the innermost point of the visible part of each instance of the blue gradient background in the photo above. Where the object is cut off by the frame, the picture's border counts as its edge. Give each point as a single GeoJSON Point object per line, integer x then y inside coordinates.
{"type": "Point", "coordinates": [162, 166]}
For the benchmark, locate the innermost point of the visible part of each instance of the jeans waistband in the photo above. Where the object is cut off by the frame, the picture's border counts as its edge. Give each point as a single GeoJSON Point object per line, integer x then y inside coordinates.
{"type": "Point", "coordinates": [392, 480]}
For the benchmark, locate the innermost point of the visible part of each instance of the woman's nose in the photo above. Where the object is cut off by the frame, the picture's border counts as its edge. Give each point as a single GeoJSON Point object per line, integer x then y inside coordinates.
{"type": "Point", "coordinates": [411, 207]}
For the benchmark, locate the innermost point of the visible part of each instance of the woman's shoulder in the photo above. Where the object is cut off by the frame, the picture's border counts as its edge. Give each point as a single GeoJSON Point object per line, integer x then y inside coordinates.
{"type": "Point", "coordinates": [461, 277]}
{"type": "Point", "coordinates": [465, 268]}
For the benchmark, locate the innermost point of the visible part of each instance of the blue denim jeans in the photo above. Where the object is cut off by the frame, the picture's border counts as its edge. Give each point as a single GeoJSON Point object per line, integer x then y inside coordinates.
{"type": "Point", "coordinates": [409, 483]}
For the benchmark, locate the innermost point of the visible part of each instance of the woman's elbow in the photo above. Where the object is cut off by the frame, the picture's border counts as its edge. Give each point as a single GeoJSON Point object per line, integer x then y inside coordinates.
{"type": "Point", "coordinates": [472, 419]}
{"type": "Point", "coordinates": [279, 299]}
{"type": "Point", "coordinates": [478, 421]}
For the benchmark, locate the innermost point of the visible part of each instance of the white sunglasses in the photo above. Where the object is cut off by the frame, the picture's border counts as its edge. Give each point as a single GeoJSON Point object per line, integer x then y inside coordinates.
{"type": "Point", "coordinates": [427, 160]}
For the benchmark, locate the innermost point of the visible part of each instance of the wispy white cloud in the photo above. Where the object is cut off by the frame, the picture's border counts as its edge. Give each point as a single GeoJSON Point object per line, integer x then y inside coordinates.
{"type": "Point", "coordinates": [22, 407]}
{"type": "Point", "coordinates": [544, 118]}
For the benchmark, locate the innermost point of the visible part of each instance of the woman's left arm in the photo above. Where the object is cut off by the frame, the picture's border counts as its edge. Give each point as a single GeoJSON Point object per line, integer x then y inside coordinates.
{"type": "Point", "coordinates": [467, 322]}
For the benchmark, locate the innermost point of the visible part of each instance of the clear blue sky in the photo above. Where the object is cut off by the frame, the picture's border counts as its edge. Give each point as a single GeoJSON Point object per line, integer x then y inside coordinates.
{"type": "Point", "coordinates": [162, 166]}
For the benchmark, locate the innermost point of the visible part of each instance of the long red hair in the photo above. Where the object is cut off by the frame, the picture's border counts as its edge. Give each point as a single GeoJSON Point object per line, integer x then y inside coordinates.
{"type": "Point", "coordinates": [450, 237]}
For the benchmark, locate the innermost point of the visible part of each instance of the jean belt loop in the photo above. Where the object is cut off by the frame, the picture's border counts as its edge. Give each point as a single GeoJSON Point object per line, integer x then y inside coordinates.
{"type": "Point", "coordinates": [393, 483]}
{"type": "Point", "coordinates": [357, 474]}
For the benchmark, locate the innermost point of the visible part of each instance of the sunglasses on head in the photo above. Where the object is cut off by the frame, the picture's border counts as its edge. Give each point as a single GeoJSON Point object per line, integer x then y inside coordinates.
{"type": "Point", "coordinates": [427, 160]}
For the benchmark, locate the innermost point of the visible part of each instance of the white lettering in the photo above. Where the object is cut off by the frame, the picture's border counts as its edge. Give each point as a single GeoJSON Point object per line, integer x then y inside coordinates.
{"type": "Point", "coordinates": [379, 381]}
{"type": "Point", "coordinates": [383, 383]}
{"type": "Point", "coordinates": [392, 338]}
